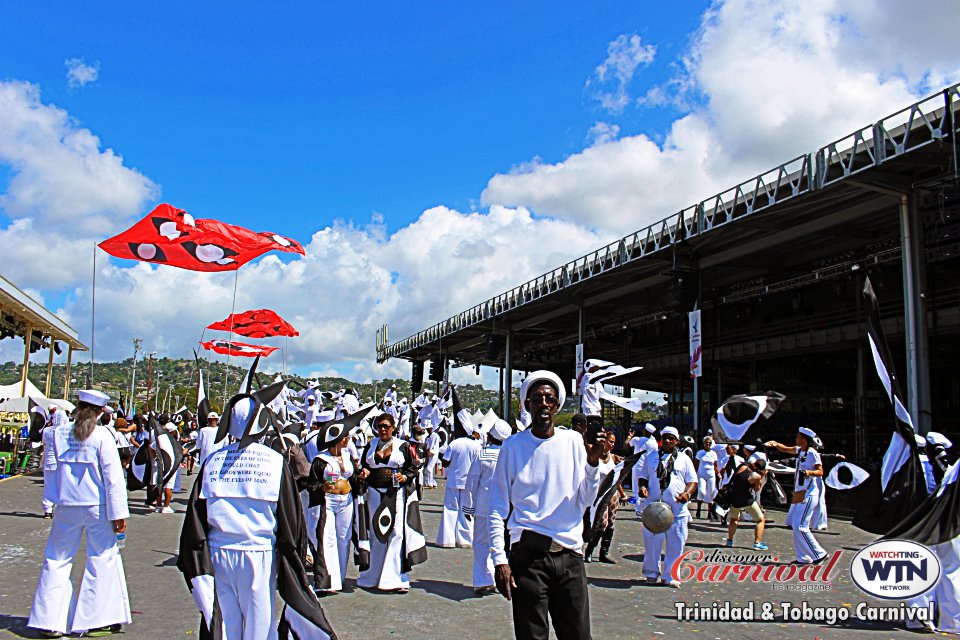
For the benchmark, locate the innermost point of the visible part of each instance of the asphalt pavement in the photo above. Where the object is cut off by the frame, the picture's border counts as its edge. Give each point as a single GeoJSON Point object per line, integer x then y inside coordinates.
{"type": "Point", "coordinates": [442, 603]}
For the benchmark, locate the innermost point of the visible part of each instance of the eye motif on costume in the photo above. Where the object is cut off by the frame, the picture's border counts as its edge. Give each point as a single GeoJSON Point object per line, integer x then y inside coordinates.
{"type": "Point", "coordinates": [846, 476]}
{"type": "Point", "coordinates": [210, 253]}
{"type": "Point", "coordinates": [148, 252]}
{"type": "Point", "coordinates": [383, 521]}
{"type": "Point", "coordinates": [334, 432]}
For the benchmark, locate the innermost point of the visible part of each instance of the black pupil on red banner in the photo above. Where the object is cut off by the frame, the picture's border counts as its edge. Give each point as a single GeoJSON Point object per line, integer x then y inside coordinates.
{"type": "Point", "coordinates": [845, 475]}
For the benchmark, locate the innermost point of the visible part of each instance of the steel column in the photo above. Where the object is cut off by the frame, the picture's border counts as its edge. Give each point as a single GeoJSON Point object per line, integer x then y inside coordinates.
{"type": "Point", "coordinates": [27, 339]}
{"type": "Point", "coordinates": [46, 393]}
{"type": "Point", "coordinates": [66, 376]}
{"type": "Point", "coordinates": [914, 315]}
{"type": "Point", "coordinates": [507, 409]}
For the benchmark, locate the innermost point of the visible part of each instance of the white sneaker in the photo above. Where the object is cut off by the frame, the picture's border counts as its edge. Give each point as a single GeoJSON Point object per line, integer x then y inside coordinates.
{"type": "Point", "coordinates": [166, 510]}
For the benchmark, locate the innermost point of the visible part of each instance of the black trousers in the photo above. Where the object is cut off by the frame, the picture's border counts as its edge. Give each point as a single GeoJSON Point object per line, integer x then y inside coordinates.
{"type": "Point", "coordinates": [549, 583]}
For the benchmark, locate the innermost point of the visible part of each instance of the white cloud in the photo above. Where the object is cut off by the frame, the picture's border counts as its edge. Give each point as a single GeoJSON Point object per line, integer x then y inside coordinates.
{"type": "Point", "coordinates": [603, 132]}
{"type": "Point", "coordinates": [341, 292]}
{"type": "Point", "coordinates": [79, 73]}
{"type": "Point", "coordinates": [64, 193]}
{"type": "Point", "coordinates": [611, 79]}
{"type": "Point", "coordinates": [764, 82]}
{"type": "Point", "coordinates": [61, 175]}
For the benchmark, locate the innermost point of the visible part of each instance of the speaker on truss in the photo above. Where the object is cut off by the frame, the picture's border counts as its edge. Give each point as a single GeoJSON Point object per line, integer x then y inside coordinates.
{"type": "Point", "coordinates": [416, 378]}
{"type": "Point", "coordinates": [436, 369]}
{"type": "Point", "coordinates": [495, 345]}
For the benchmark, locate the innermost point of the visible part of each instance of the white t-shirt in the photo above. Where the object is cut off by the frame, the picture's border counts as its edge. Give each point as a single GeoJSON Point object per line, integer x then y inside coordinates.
{"type": "Point", "coordinates": [549, 485]}
{"type": "Point", "coordinates": [707, 461]}
{"type": "Point", "coordinates": [205, 442]}
{"type": "Point", "coordinates": [806, 461]}
{"type": "Point", "coordinates": [461, 453]}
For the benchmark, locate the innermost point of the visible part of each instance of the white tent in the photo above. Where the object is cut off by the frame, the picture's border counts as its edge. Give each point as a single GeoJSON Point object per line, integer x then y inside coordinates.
{"type": "Point", "coordinates": [11, 400]}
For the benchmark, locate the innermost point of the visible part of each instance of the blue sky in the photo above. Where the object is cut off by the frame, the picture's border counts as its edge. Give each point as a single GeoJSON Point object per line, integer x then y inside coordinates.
{"type": "Point", "coordinates": [312, 112]}
{"type": "Point", "coordinates": [427, 155]}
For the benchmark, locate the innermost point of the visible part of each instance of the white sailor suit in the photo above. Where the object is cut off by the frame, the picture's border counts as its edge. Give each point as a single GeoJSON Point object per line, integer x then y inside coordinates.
{"type": "Point", "coordinates": [85, 480]}
{"type": "Point", "coordinates": [455, 530]}
{"type": "Point", "coordinates": [476, 503]}
{"type": "Point", "coordinates": [676, 536]}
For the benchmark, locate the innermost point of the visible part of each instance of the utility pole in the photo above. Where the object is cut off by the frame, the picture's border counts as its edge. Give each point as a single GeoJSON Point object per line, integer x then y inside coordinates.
{"type": "Point", "coordinates": [149, 363]}
{"type": "Point", "coordinates": [137, 343]}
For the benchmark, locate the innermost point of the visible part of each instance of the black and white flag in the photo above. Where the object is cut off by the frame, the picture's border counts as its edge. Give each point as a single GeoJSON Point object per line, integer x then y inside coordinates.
{"type": "Point", "coordinates": [889, 498]}
{"type": "Point", "coordinates": [738, 413]}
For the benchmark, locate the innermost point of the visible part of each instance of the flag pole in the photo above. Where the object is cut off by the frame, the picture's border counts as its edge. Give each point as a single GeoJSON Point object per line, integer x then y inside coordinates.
{"type": "Point", "coordinates": [233, 308]}
{"type": "Point", "coordinates": [93, 312]}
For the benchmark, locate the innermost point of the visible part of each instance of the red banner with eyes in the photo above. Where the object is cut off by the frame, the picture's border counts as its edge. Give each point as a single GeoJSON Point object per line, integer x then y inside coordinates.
{"type": "Point", "coordinates": [229, 347]}
{"type": "Point", "coordinates": [172, 236]}
{"type": "Point", "coordinates": [259, 323]}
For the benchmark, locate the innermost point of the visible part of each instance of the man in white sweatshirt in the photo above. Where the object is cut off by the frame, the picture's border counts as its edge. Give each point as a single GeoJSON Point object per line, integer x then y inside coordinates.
{"type": "Point", "coordinates": [549, 478]}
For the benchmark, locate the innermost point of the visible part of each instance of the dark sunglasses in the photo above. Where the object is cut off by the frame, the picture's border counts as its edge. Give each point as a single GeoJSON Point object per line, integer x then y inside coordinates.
{"type": "Point", "coordinates": [539, 397]}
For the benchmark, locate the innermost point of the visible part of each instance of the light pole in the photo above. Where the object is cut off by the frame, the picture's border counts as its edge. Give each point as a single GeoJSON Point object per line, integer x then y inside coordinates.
{"type": "Point", "coordinates": [137, 343]}
{"type": "Point", "coordinates": [149, 363]}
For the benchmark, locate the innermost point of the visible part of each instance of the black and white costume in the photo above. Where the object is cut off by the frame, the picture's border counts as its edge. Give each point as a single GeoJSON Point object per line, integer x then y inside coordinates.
{"type": "Point", "coordinates": [392, 516]}
{"type": "Point", "coordinates": [243, 538]}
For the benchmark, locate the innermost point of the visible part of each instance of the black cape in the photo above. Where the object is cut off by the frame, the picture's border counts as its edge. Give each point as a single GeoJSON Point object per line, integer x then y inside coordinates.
{"type": "Point", "coordinates": [302, 617]}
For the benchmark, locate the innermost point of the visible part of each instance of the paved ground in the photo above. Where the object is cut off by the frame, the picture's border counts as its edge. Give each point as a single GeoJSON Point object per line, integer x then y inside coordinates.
{"type": "Point", "coordinates": [441, 604]}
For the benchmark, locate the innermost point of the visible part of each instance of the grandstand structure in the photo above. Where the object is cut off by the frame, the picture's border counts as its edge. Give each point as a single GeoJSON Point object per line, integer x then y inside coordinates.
{"type": "Point", "coordinates": [776, 264]}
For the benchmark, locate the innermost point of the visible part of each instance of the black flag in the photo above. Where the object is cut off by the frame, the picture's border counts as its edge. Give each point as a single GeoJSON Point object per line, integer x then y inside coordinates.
{"type": "Point", "coordinates": [203, 404]}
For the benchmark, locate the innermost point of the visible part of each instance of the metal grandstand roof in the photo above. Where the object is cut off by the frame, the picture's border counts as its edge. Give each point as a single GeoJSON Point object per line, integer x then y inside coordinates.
{"type": "Point", "coordinates": [17, 303]}
{"type": "Point", "coordinates": [837, 184]}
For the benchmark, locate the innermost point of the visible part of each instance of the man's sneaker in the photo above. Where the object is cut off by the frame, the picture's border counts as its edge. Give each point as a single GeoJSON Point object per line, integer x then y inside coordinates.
{"type": "Point", "coordinates": [48, 515]}
{"type": "Point", "coordinates": [674, 584]}
{"type": "Point", "coordinates": [49, 634]}
{"type": "Point", "coordinates": [166, 510]}
{"type": "Point", "coordinates": [759, 546]}
{"type": "Point", "coordinates": [729, 542]}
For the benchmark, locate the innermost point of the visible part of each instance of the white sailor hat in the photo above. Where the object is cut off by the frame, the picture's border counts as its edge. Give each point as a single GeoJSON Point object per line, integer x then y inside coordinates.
{"type": "Point", "coordinates": [938, 439]}
{"type": "Point", "coordinates": [750, 447]}
{"type": "Point", "coordinates": [500, 430]}
{"type": "Point", "coordinates": [670, 431]}
{"type": "Point", "coordinates": [543, 376]}
{"type": "Point", "coordinates": [810, 433]}
{"type": "Point", "coordinates": [649, 428]}
{"type": "Point", "coordinates": [213, 414]}
{"type": "Point", "coordinates": [94, 397]}
{"type": "Point", "coordinates": [920, 440]}
{"type": "Point", "coordinates": [170, 426]}
{"type": "Point", "coordinates": [52, 407]}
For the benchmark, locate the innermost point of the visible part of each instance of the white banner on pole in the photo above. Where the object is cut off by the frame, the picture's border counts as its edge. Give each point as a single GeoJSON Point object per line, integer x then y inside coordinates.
{"type": "Point", "coordinates": [696, 349]}
{"type": "Point", "coordinates": [578, 370]}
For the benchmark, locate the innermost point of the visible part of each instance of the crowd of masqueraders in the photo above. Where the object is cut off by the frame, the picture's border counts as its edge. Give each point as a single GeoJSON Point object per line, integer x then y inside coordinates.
{"type": "Point", "coordinates": [293, 485]}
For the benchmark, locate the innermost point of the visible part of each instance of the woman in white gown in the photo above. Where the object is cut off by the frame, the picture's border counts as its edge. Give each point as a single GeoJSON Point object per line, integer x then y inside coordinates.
{"type": "Point", "coordinates": [396, 538]}
{"type": "Point", "coordinates": [707, 472]}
